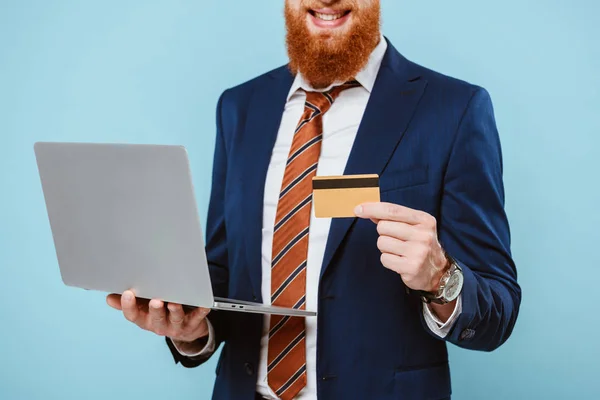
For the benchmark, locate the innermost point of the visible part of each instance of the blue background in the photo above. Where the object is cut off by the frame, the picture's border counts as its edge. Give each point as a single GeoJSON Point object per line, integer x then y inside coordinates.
{"type": "Point", "coordinates": [151, 72]}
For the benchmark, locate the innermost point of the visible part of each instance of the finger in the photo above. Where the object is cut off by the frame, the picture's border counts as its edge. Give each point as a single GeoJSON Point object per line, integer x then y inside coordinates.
{"type": "Point", "coordinates": [198, 313]}
{"type": "Point", "coordinates": [196, 316]}
{"type": "Point", "coordinates": [158, 316]}
{"type": "Point", "coordinates": [389, 212]}
{"type": "Point", "coordinates": [387, 244]}
{"type": "Point", "coordinates": [114, 300]}
{"type": "Point", "coordinates": [176, 315]}
{"type": "Point", "coordinates": [393, 262]}
{"type": "Point", "coordinates": [129, 307]}
{"type": "Point", "coordinates": [398, 230]}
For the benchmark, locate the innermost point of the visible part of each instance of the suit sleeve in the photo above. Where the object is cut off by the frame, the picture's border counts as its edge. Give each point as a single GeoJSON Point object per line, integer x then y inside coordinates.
{"type": "Point", "coordinates": [216, 246]}
{"type": "Point", "coordinates": [473, 229]}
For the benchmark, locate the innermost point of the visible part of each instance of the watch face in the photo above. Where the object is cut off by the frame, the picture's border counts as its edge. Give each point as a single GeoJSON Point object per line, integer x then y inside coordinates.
{"type": "Point", "coordinates": [453, 286]}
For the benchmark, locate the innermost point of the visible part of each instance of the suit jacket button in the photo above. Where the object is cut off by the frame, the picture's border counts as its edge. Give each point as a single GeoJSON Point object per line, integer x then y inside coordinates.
{"type": "Point", "coordinates": [249, 369]}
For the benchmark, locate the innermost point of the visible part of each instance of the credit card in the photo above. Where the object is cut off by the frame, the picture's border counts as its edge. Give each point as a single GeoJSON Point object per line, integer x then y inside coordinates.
{"type": "Point", "coordinates": [337, 196]}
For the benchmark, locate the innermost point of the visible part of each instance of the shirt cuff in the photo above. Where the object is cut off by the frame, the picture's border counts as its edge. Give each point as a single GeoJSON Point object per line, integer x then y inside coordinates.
{"type": "Point", "coordinates": [438, 327]}
{"type": "Point", "coordinates": [208, 349]}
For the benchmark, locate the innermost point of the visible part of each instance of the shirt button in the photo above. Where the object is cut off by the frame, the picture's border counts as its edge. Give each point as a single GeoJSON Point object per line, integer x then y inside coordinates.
{"type": "Point", "coordinates": [249, 369]}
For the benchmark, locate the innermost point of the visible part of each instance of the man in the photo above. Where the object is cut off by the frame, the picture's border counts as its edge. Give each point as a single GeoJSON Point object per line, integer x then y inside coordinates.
{"type": "Point", "coordinates": [431, 263]}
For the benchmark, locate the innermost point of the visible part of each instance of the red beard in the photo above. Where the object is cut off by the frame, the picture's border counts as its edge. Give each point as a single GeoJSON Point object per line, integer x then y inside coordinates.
{"type": "Point", "coordinates": [323, 60]}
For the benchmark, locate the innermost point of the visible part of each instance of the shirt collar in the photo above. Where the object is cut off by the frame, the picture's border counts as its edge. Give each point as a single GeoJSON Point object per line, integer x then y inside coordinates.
{"type": "Point", "coordinates": [366, 77]}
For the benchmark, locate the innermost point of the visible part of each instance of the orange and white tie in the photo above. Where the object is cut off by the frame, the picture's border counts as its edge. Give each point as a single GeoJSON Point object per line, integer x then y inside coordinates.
{"type": "Point", "coordinates": [286, 370]}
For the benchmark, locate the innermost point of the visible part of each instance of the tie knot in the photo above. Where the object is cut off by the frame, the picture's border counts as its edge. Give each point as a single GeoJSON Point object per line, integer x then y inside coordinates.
{"type": "Point", "coordinates": [324, 100]}
{"type": "Point", "coordinates": [335, 92]}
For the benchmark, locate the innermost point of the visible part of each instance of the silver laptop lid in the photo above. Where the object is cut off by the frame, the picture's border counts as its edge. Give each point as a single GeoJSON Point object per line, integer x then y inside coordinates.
{"type": "Point", "coordinates": [125, 216]}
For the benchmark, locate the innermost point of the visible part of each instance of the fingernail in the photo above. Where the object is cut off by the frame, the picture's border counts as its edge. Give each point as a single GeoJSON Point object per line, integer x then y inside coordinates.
{"type": "Point", "coordinates": [127, 296]}
{"type": "Point", "coordinates": [358, 210]}
{"type": "Point", "coordinates": [155, 304]}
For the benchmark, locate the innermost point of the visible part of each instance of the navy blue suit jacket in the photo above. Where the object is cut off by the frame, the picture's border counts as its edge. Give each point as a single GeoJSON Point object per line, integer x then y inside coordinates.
{"type": "Point", "coordinates": [433, 141]}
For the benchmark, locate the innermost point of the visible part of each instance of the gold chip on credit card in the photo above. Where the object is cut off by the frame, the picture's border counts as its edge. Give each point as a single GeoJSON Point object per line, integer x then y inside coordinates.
{"type": "Point", "coordinates": [337, 196]}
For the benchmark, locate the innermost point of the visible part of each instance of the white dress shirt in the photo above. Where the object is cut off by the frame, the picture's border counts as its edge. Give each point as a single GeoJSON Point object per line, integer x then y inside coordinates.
{"type": "Point", "coordinates": [340, 126]}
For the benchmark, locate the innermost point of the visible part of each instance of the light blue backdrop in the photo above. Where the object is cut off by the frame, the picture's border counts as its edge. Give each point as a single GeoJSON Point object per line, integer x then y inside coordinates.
{"type": "Point", "coordinates": [150, 72]}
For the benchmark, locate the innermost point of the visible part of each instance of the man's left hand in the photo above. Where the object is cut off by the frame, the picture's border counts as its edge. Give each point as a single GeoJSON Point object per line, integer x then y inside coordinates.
{"type": "Point", "coordinates": [408, 243]}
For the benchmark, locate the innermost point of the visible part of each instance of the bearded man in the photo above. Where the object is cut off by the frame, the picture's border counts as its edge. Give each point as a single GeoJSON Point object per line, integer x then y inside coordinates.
{"type": "Point", "coordinates": [429, 264]}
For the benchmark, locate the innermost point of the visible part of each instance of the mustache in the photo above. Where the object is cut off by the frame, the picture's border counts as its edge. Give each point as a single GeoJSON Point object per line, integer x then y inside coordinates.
{"type": "Point", "coordinates": [342, 5]}
{"type": "Point", "coordinates": [322, 63]}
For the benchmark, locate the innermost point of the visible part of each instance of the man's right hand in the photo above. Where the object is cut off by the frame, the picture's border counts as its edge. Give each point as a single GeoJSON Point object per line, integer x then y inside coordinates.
{"type": "Point", "coordinates": [184, 327]}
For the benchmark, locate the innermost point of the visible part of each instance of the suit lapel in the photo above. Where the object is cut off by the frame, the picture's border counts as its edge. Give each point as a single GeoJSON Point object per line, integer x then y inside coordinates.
{"type": "Point", "coordinates": [263, 119]}
{"type": "Point", "coordinates": [391, 106]}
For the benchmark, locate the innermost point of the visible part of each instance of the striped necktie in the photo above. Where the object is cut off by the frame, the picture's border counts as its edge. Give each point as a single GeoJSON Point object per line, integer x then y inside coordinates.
{"type": "Point", "coordinates": [286, 371]}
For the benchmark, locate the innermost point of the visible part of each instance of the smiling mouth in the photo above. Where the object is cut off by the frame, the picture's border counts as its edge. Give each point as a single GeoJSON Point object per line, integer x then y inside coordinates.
{"type": "Point", "coordinates": [329, 17]}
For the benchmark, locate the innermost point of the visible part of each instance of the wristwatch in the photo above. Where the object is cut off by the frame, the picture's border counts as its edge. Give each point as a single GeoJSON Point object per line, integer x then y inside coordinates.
{"type": "Point", "coordinates": [450, 287]}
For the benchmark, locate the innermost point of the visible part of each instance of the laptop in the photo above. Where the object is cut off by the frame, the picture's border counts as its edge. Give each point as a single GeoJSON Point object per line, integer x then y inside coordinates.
{"type": "Point", "coordinates": [124, 216]}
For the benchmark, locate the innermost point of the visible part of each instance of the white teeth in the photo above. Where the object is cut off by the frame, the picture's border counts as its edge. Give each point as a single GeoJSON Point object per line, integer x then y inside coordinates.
{"type": "Point", "coordinates": [328, 17]}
